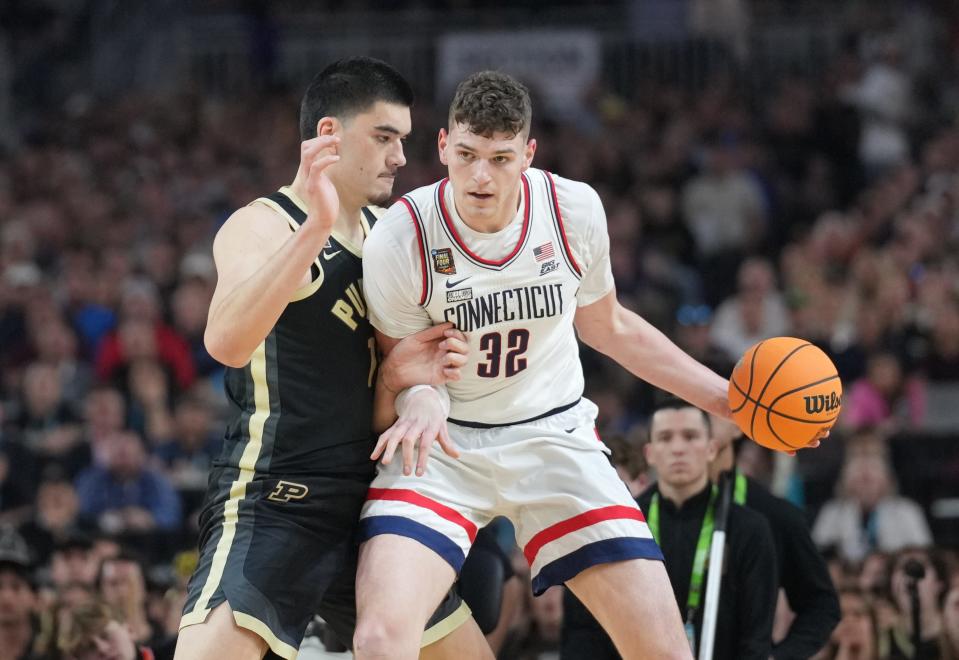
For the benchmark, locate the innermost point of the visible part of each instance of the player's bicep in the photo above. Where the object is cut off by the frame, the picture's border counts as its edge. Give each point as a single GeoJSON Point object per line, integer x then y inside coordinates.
{"type": "Point", "coordinates": [392, 293]}
{"type": "Point", "coordinates": [242, 246]}
{"type": "Point", "coordinates": [597, 321]}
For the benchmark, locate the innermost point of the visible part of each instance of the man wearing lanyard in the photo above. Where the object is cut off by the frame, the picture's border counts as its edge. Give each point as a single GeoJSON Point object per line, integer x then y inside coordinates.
{"type": "Point", "coordinates": [680, 510]}
{"type": "Point", "coordinates": [802, 572]}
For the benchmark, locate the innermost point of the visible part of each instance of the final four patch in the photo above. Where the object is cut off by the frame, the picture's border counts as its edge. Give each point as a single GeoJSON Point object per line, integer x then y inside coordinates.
{"type": "Point", "coordinates": [443, 261]}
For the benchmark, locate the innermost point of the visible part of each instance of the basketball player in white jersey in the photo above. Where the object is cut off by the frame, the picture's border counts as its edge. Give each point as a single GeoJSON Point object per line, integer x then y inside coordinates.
{"type": "Point", "coordinates": [514, 256]}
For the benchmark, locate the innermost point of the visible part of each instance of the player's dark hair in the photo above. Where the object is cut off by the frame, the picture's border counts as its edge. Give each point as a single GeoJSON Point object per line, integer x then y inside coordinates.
{"type": "Point", "coordinates": [348, 87]}
{"type": "Point", "coordinates": [492, 102]}
{"type": "Point", "coordinates": [670, 402]}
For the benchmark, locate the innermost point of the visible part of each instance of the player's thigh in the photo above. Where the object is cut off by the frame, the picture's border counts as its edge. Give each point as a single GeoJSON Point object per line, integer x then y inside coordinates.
{"type": "Point", "coordinates": [219, 636]}
{"type": "Point", "coordinates": [621, 593]}
{"type": "Point", "coordinates": [400, 578]}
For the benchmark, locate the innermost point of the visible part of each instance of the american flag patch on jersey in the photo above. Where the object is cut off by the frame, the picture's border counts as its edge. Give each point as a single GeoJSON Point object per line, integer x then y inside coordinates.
{"type": "Point", "coordinates": [544, 251]}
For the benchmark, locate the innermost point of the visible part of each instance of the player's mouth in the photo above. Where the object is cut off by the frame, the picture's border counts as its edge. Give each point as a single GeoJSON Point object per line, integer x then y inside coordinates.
{"type": "Point", "coordinates": [480, 196]}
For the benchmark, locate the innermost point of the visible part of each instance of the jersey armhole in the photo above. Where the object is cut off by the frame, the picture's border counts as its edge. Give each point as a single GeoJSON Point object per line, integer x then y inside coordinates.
{"type": "Point", "coordinates": [421, 244]}
{"type": "Point", "coordinates": [560, 227]}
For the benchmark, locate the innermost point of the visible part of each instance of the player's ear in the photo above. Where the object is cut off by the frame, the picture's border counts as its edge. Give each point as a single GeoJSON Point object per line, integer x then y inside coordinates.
{"type": "Point", "coordinates": [441, 141]}
{"type": "Point", "coordinates": [327, 126]}
{"type": "Point", "coordinates": [529, 153]}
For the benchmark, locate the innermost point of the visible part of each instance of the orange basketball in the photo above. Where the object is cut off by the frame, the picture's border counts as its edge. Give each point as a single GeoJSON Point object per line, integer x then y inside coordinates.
{"type": "Point", "coordinates": [784, 393]}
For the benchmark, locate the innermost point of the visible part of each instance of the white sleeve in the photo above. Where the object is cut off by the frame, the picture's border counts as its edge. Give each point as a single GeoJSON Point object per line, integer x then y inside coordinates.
{"type": "Point", "coordinates": [392, 276]}
{"type": "Point", "coordinates": [585, 225]}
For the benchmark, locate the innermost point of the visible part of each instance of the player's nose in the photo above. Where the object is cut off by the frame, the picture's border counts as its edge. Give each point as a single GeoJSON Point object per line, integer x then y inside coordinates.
{"type": "Point", "coordinates": [397, 157]}
{"type": "Point", "coordinates": [481, 174]}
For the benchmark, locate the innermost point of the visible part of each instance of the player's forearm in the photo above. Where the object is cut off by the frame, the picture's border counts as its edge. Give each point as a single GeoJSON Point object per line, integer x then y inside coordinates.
{"type": "Point", "coordinates": [384, 405]}
{"type": "Point", "coordinates": [245, 316]}
{"type": "Point", "coordinates": [650, 355]}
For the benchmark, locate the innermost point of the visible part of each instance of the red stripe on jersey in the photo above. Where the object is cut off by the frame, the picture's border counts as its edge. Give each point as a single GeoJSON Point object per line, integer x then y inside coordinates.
{"type": "Point", "coordinates": [459, 241]}
{"type": "Point", "coordinates": [575, 523]}
{"type": "Point", "coordinates": [562, 229]}
{"type": "Point", "coordinates": [412, 497]}
{"type": "Point", "coordinates": [419, 244]}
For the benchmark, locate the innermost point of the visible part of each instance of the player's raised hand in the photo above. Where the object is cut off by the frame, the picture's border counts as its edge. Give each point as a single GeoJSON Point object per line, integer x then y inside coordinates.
{"type": "Point", "coordinates": [433, 356]}
{"type": "Point", "coordinates": [322, 202]}
{"type": "Point", "coordinates": [422, 423]}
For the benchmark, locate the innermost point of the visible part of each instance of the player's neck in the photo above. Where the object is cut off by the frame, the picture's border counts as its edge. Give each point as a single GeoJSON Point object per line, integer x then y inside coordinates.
{"type": "Point", "coordinates": [678, 494]}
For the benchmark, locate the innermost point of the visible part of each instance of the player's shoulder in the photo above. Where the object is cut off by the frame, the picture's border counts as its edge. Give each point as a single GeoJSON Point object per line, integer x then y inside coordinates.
{"type": "Point", "coordinates": [395, 220]}
{"type": "Point", "coordinates": [256, 221]}
{"type": "Point", "coordinates": [577, 201]}
{"type": "Point", "coordinates": [565, 188]}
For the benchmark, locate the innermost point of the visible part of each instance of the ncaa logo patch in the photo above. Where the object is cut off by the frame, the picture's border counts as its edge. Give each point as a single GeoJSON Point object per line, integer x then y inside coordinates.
{"type": "Point", "coordinates": [443, 261]}
{"type": "Point", "coordinates": [287, 490]}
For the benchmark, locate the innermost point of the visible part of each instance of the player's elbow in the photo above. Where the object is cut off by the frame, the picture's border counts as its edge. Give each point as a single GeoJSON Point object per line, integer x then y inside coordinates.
{"type": "Point", "coordinates": [223, 349]}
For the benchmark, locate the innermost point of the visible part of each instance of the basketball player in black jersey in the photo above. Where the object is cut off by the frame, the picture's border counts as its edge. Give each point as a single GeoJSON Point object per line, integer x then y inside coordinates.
{"type": "Point", "coordinates": [289, 321]}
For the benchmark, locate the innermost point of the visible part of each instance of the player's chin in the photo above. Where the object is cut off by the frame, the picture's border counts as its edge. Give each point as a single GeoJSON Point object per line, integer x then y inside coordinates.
{"type": "Point", "coordinates": [381, 196]}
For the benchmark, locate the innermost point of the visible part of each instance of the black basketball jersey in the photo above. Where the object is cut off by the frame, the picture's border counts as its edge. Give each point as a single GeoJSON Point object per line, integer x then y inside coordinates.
{"type": "Point", "coordinates": [304, 402]}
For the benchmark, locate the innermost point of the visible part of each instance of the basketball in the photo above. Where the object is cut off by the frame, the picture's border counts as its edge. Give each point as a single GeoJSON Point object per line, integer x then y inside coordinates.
{"type": "Point", "coordinates": [784, 393]}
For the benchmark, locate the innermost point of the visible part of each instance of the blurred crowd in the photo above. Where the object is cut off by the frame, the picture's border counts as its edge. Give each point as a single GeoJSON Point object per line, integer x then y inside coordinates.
{"type": "Point", "coordinates": [826, 207]}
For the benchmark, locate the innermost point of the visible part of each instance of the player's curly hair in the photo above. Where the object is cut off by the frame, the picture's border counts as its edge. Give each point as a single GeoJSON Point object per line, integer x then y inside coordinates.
{"type": "Point", "coordinates": [492, 102]}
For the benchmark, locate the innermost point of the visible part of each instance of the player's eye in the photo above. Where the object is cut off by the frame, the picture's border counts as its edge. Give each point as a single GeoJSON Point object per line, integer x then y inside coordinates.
{"type": "Point", "coordinates": [500, 159]}
{"type": "Point", "coordinates": [382, 139]}
{"type": "Point", "coordinates": [465, 155]}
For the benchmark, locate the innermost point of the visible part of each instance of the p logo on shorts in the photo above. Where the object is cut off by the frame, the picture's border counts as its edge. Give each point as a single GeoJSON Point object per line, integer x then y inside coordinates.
{"type": "Point", "coordinates": [287, 490]}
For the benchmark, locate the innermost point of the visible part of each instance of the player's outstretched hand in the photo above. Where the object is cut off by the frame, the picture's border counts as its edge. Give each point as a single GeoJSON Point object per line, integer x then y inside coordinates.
{"type": "Point", "coordinates": [422, 423]}
{"type": "Point", "coordinates": [433, 356]}
{"type": "Point", "coordinates": [322, 202]}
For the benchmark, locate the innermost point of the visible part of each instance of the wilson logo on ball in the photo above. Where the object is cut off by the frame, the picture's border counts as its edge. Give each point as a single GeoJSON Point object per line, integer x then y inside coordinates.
{"type": "Point", "coordinates": [821, 402]}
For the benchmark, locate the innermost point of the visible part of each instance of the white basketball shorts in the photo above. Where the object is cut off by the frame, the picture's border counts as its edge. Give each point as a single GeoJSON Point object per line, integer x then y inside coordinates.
{"type": "Point", "coordinates": [550, 477]}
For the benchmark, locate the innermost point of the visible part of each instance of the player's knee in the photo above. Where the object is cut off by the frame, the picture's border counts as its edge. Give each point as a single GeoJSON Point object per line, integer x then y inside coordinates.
{"type": "Point", "coordinates": [383, 637]}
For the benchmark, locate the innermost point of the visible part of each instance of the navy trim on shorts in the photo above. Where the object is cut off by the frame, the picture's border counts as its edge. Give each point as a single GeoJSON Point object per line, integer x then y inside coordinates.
{"type": "Point", "coordinates": [481, 425]}
{"type": "Point", "coordinates": [435, 541]}
{"type": "Point", "coordinates": [569, 566]}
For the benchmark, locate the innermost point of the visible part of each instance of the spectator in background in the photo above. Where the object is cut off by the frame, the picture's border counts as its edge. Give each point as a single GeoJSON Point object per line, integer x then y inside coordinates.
{"type": "Point", "coordinates": [18, 599]}
{"type": "Point", "coordinates": [754, 313]}
{"type": "Point", "coordinates": [931, 590]}
{"type": "Point", "coordinates": [143, 334]}
{"type": "Point", "coordinates": [95, 631]}
{"type": "Point", "coordinates": [187, 454]}
{"type": "Point", "coordinates": [125, 496]}
{"type": "Point", "coordinates": [150, 399]}
{"type": "Point", "coordinates": [856, 635]}
{"type": "Point", "coordinates": [694, 335]}
{"type": "Point", "coordinates": [884, 99]}
{"type": "Point", "coordinates": [190, 304]}
{"type": "Point", "coordinates": [723, 208]}
{"type": "Point", "coordinates": [941, 364]}
{"type": "Point", "coordinates": [43, 411]}
{"type": "Point", "coordinates": [866, 514]}
{"type": "Point", "coordinates": [56, 516]}
{"type": "Point", "coordinates": [885, 397]}
{"type": "Point", "coordinates": [73, 562]}
{"type": "Point", "coordinates": [56, 345]}
{"type": "Point", "coordinates": [122, 585]}
{"type": "Point", "coordinates": [104, 413]}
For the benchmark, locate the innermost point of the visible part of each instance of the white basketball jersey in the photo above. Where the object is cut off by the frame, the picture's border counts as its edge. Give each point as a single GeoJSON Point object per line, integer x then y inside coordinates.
{"type": "Point", "coordinates": [517, 311]}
